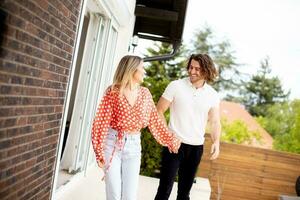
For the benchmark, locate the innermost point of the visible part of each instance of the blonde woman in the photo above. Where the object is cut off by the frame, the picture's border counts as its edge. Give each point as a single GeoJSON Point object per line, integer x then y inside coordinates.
{"type": "Point", "coordinates": [125, 108]}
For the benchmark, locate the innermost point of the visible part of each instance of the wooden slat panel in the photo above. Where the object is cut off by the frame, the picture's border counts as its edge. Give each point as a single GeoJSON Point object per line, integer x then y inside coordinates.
{"type": "Point", "coordinates": [249, 173]}
{"type": "Point", "coordinates": [281, 174]}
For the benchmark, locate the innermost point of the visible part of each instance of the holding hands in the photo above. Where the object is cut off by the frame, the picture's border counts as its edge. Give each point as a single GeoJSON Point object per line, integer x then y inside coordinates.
{"type": "Point", "coordinates": [174, 145]}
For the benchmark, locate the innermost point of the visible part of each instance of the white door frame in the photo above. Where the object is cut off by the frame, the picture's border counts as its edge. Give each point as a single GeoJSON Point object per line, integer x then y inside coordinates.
{"type": "Point", "coordinates": [67, 101]}
{"type": "Point", "coordinates": [91, 68]}
{"type": "Point", "coordinates": [103, 7]}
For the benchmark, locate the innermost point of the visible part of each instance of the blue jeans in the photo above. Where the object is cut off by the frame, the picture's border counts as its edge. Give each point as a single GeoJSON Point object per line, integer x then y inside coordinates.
{"type": "Point", "coordinates": [122, 176]}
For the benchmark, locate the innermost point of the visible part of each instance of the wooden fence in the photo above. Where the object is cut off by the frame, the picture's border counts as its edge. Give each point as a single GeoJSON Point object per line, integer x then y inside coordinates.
{"type": "Point", "coordinates": [243, 172]}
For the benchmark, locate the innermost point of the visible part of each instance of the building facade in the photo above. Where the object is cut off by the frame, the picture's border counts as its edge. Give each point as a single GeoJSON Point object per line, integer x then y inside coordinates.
{"type": "Point", "coordinates": [56, 59]}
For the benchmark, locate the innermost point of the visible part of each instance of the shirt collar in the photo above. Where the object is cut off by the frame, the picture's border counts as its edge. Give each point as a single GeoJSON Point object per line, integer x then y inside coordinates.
{"type": "Point", "coordinates": [187, 80]}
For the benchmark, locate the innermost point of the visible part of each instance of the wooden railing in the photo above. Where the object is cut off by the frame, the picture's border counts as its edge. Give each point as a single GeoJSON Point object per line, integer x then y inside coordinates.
{"type": "Point", "coordinates": [243, 172]}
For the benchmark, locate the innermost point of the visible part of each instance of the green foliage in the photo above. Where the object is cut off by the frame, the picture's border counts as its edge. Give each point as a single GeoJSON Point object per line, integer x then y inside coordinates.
{"type": "Point", "coordinates": [259, 94]}
{"type": "Point", "coordinates": [262, 91]}
{"type": "Point", "coordinates": [151, 155]}
{"type": "Point", "coordinates": [237, 132]}
{"type": "Point", "coordinates": [288, 143]}
{"type": "Point", "coordinates": [278, 119]}
{"type": "Point", "coordinates": [158, 76]}
{"type": "Point", "coordinates": [282, 121]}
{"type": "Point", "coordinates": [222, 55]}
{"type": "Point", "coordinates": [160, 73]}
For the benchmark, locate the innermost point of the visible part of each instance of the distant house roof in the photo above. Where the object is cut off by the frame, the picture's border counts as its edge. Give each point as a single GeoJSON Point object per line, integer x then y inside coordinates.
{"type": "Point", "coordinates": [234, 111]}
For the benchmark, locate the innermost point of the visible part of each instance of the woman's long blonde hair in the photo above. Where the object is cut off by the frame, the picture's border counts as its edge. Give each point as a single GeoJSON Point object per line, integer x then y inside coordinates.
{"type": "Point", "coordinates": [124, 72]}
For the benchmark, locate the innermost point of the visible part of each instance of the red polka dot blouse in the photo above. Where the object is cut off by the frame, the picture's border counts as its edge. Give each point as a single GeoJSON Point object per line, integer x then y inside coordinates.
{"type": "Point", "coordinates": [114, 111]}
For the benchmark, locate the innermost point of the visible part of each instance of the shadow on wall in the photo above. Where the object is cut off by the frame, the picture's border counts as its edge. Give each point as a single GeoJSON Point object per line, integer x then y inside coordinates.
{"type": "Point", "coordinates": [3, 27]}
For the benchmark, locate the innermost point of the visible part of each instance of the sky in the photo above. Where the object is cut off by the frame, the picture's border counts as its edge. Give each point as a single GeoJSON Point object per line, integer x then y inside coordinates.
{"type": "Point", "coordinates": [255, 29]}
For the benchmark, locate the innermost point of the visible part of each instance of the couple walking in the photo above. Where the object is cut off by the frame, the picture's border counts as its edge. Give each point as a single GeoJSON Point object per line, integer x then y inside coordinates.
{"type": "Point", "coordinates": [127, 107]}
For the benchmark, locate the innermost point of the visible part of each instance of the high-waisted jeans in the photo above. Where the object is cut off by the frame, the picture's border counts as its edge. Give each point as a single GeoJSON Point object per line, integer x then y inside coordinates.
{"type": "Point", "coordinates": [122, 177]}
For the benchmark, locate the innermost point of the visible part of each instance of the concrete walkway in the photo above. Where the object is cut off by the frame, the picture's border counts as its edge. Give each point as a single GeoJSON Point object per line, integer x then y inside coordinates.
{"type": "Point", "coordinates": [92, 188]}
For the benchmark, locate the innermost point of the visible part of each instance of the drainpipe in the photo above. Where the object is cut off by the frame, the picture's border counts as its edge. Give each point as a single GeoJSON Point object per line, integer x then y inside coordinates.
{"type": "Point", "coordinates": [176, 46]}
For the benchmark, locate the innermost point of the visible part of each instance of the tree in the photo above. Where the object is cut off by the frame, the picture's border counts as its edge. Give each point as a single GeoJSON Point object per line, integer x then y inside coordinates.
{"type": "Point", "coordinates": [278, 119]}
{"type": "Point", "coordinates": [158, 76]}
{"type": "Point", "coordinates": [263, 91]}
{"type": "Point", "coordinates": [237, 132]}
{"type": "Point", "coordinates": [229, 79]}
{"type": "Point", "coordinates": [282, 121]}
{"type": "Point", "coordinates": [290, 141]}
{"type": "Point", "coordinates": [160, 73]}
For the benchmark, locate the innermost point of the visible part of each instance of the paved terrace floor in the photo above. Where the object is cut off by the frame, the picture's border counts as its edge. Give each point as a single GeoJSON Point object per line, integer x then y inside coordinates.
{"type": "Point", "coordinates": [92, 188]}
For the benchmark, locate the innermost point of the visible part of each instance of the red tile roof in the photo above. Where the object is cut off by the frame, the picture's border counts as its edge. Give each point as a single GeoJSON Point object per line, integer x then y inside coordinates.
{"type": "Point", "coordinates": [234, 111]}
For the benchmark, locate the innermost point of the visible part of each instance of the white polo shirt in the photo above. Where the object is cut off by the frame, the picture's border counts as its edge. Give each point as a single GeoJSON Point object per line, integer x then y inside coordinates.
{"type": "Point", "coordinates": [189, 109]}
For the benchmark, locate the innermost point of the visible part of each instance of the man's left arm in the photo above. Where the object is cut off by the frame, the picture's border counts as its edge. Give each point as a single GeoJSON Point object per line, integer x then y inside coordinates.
{"type": "Point", "coordinates": [215, 124]}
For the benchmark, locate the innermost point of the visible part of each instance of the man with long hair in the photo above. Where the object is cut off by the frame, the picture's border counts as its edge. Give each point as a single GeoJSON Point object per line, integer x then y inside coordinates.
{"type": "Point", "coordinates": [192, 102]}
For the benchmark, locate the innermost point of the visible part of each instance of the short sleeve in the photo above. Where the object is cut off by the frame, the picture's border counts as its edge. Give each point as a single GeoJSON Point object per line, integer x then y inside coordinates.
{"type": "Point", "coordinates": [169, 92]}
{"type": "Point", "coordinates": [215, 101]}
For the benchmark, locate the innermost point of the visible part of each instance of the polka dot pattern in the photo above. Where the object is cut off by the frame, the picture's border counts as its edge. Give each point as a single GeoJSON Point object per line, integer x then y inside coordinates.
{"type": "Point", "coordinates": [114, 111]}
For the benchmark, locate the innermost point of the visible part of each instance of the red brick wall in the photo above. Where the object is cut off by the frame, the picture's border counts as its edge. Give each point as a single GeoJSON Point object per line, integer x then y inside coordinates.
{"type": "Point", "coordinates": [36, 52]}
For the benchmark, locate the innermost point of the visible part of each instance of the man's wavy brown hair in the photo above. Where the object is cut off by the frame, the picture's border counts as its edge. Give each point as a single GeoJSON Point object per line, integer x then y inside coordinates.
{"type": "Point", "coordinates": [208, 69]}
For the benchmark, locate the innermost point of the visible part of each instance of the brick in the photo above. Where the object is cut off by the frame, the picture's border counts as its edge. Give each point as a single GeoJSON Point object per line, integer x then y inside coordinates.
{"type": "Point", "coordinates": [33, 82]}
{"type": "Point", "coordinates": [49, 132]}
{"type": "Point", "coordinates": [16, 80]}
{"type": "Point", "coordinates": [4, 89]}
{"type": "Point", "coordinates": [26, 178]}
{"type": "Point", "coordinates": [5, 144]}
{"type": "Point", "coordinates": [17, 22]}
{"type": "Point", "coordinates": [8, 67]}
{"type": "Point", "coordinates": [42, 3]}
{"type": "Point", "coordinates": [25, 111]}
{"type": "Point", "coordinates": [39, 181]}
{"type": "Point", "coordinates": [42, 192]}
{"type": "Point", "coordinates": [52, 22]}
{"type": "Point", "coordinates": [11, 132]}
{"type": "Point", "coordinates": [38, 42]}
{"type": "Point", "coordinates": [22, 121]}
{"type": "Point", "coordinates": [4, 78]}
{"type": "Point", "coordinates": [35, 63]}
{"type": "Point", "coordinates": [8, 122]}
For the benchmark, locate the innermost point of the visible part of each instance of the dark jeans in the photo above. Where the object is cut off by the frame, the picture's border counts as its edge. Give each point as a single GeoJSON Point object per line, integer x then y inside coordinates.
{"type": "Point", "coordinates": [186, 163]}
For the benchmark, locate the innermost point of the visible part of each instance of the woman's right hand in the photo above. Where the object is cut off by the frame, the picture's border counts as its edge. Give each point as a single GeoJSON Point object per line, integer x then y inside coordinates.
{"type": "Point", "coordinates": [101, 163]}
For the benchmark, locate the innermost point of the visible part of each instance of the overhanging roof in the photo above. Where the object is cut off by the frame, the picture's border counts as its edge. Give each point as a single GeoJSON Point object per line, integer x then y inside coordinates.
{"type": "Point", "coordinates": [160, 20]}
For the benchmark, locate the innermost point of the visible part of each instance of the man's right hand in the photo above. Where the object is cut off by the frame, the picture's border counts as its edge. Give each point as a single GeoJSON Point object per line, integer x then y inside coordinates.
{"type": "Point", "coordinates": [175, 145]}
